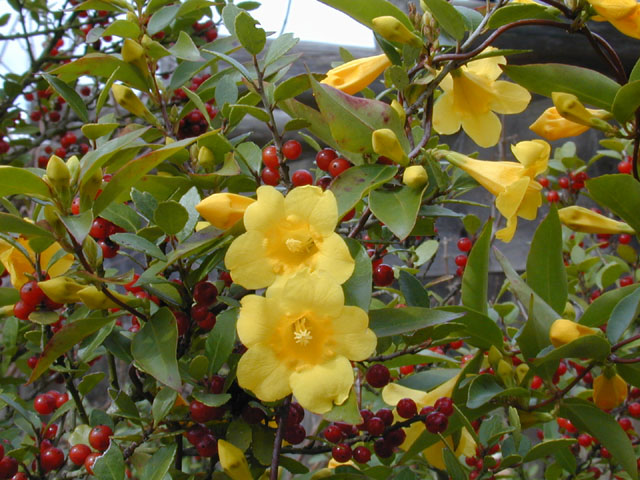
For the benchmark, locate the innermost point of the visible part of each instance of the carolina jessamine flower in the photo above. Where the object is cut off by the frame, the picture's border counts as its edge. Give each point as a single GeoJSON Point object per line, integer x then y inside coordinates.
{"type": "Point", "coordinates": [223, 210]}
{"type": "Point", "coordinates": [353, 76]}
{"type": "Point", "coordinates": [609, 391]}
{"type": "Point", "coordinates": [301, 338]}
{"type": "Point", "coordinates": [517, 193]}
{"type": "Point", "coordinates": [622, 14]}
{"type": "Point", "coordinates": [565, 331]}
{"type": "Point", "coordinates": [18, 265]}
{"type": "Point", "coordinates": [393, 393]}
{"type": "Point", "coordinates": [233, 461]}
{"type": "Point", "coordinates": [286, 234]}
{"type": "Point", "coordinates": [553, 126]}
{"type": "Point", "coordinates": [580, 219]}
{"type": "Point", "coordinates": [472, 95]}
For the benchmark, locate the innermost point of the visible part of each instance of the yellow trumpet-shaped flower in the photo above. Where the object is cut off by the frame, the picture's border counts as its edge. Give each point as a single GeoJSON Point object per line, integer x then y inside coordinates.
{"type": "Point", "coordinates": [565, 331]}
{"type": "Point", "coordinates": [223, 210]}
{"type": "Point", "coordinates": [233, 461]}
{"type": "Point", "coordinates": [553, 126]}
{"type": "Point", "coordinates": [286, 234]}
{"type": "Point", "coordinates": [353, 76]}
{"type": "Point", "coordinates": [301, 338]}
{"type": "Point", "coordinates": [609, 392]}
{"type": "Point", "coordinates": [472, 97]}
{"type": "Point", "coordinates": [580, 219]}
{"type": "Point", "coordinates": [18, 265]}
{"type": "Point", "coordinates": [393, 393]}
{"type": "Point", "coordinates": [624, 15]}
{"type": "Point", "coordinates": [517, 193]}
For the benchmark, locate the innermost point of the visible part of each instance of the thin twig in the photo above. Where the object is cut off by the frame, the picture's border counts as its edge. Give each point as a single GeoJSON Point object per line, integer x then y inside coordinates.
{"type": "Point", "coordinates": [277, 442]}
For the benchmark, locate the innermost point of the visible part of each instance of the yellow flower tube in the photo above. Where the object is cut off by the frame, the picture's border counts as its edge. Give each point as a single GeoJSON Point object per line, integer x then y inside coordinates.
{"type": "Point", "coordinates": [353, 76]}
{"type": "Point", "coordinates": [609, 392]}
{"type": "Point", "coordinates": [624, 15]}
{"type": "Point", "coordinates": [551, 126]}
{"type": "Point", "coordinates": [223, 210]}
{"type": "Point", "coordinates": [565, 331]}
{"type": "Point", "coordinates": [580, 219]}
{"type": "Point", "coordinates": [233, 461]}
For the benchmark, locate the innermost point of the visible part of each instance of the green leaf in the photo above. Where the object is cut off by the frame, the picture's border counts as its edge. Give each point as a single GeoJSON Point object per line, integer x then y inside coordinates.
{"type": "Point", "coordinates": [139, 244]}
{"type": "Point", "coordinates": [626, 101]}
{"type": "Point", "coordinates": [620, 193]}
{"type": "Point", "coordinates": [623, 315]}
{"type": "Point", "coordinates": [231, 61]}
{"type": "Point", "coordinates": [185, 49]}
{"type": "Point", "coordinates": [600, 310]}
{"type": "Point", "coordinates": [162, 404]}
{"type": "Point", "coordinates": [16, 180]}
{"type": "Point", "coordinates": [386, 322]}
{"type": "Point", "coordinates": [547, 447]}
{"type": "Point", "coordinates": [352, 120]}
{"type": "Point", "coordinates": [15, 404]}
{"type": "Point", "coordinates": [160, 463]}
{"type": "Point", "coordinates": [354, 183]}
{"type": "Point", "coordinates": [14, 224]}
{"type": "Point", "coordinates": [513, 13]}
{"type": "Point", "coordinates": [594, 347]}
{"type": "Point", "coordinates": [425, 251]}
{"type": "Point", "coordinates": [239, 434]}
{"type": "Point", "coordinates": [589, 86]}
{"type": "Point", "coordinates": [546, 274]}
{"type": "Point", "coordinates": [475, 280]}
{"type": "Point", "coordinates": [357, 290]}
{"type": "Point", "coordinates": [278, 48]}
{"type": "Point", "coordinates": [415, 295]}
{"type": "Point", "coordinates": [251, 37]}
{"type": "Point", "coordinates": [589, 418]}
{"type": "Point", "coordinates": [123, 28]}
{"type": "Point", "coordinates": [221, 339]}
{"type": "Point", "coordinates": [127, 176]}
{"type": "Point", "coordinates": [170, 216]}
{"type": "Point", "coordinates": [162, 18]}
{"type": "Point", "coordinates": [197, 101]}
{"type": "Point", "coordinates": [448, 17]}
{"type": "Point", "coordinates": [102, 65]}
{"type": "Point", "coordinates": [485, 388]}
{"type": "Point", "coordinates": [64, 340]}
{"type": "Point", "coordinates": [78, 225]}
{"type": "Point", "coordinates": [110, 465]}
{"type": "Point", "coordinates": [154, 349]}
{"type": "Point", "coordinates": [9, 296]}
{"type": "Point", "coordinates": [364, 11]}
{"type": "Point", "coordinates": [70, 95]}
{"type": "Point", "coordinates": [347, 412]}
{"type": "Point", "coordinates": [89, 382]}
{"type": "Point", "coordinates": [212, 399]}
{"type": "Point", "coordinates": [455, 470]}
{"type": "Point", "coordinates": [397, 209]}
{"type": "Point", "coordinates": [480, 330]}
{"type": "Point", "coordinates": [229, 14]}
{"type": "Point", "coordinates": [94, 131]}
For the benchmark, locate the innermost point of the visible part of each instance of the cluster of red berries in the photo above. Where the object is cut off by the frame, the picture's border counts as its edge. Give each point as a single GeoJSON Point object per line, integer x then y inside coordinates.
{"type": "Point", "coordinates": [194, 123]}
{"type": "Point", "coordinates": [294, 432]}
{"type": "Point", "coordinates": [464, 245]}
{"type": "Point", "coordinates": [328, 160]}
{"type": "Point", "coordinates": [101, 230]}
{"type": "Point", "coordinates": [291, 150]}
{"type": "Point", "coordinates": [200, 436]}
{"type": "Point", "coordinates": [203, 439]}
{"type": "Point", "coordinates": [477, 463]}
{"type": "Point", "coordinates": [32, 298]}
{"type": "Point", "coordinates": [208, 29]}
{"type": "Point", "coordinates": [47, 403]}
{"type": "Point", "coordinates": [205, 294]}
{"type": "Point", "coordinates": [8, 466]}
{"type": "Point", "coordinates": [99, 439]}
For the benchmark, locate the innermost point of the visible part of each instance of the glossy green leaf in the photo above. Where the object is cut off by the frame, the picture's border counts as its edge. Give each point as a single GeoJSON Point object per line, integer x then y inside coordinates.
{"type": "Point", "coordinates": [251, 37]}
{"type": "Point", "coordinates": [479, 330]}
{"type": "Point", "coordinates": [475, 280]}
{"type": "Point", "coordinates": [70, 95]}
{"type": "Point", "coordinates": [102, 65]}
{"type": "Point", "coordinates": [547, 448]}
{"type": "Point", "coordinates": [364, 11]}
{"type": "Point", "coordinates": [485, 388]}
{"type": "Point", "coordinates": [623, 315]}
{"type": "Point", "coordinates": [357, 290]}
{"type": "Point", "coordinates": [620, 193]}
{"type": "Point", "coordinates": [110, 465]}
{"type": "Point", "coordinates": [354, 183]}
{"type": "Point", "coordinates": [212, 399]}
{"type": "Point", "coordinates": [415, 295]}
{"type": "Point", "coordinates": [514, 12]}
{"type": "Point", "coordinates": [89, 382]}
{"type": "Point", "coordinates": [589, 86]}
{"type": "Point", "coordinates": [8, 296]}
{"type": "Point", "coordinates": [279, 47]}
{"type": "Point", "coordinates": [221, 339]}
{"type": "Point", "coordinates": [599, 311]}
{"type": "Point", "coordinates": [626, 101]}
{"type": "Point", "coordinates": [16, 180]}
{"type": "Point", "coordinates": [13, 224]}
{"type": "Point", "coordinates": [185, 49]}
{"type": "Point", "coordinates": [454, 468]}
{"type": "Point", "coordinates": [589, 418]}
{"type": "Point", "coordinates": [123, 28]}
{"type": "Point", "coordinates": [590, 346]}
{"type": "Point", "coordinates": [139, 244]}
{"type": "Point", "coordinates": [397, 209]}
{"type": "Point", "coordinates": [94, 131]}
{"type": "Point", "coordinates": [347, 412]}
{"type": "Point", "coordinates": [546, 273]}
{"type": "Point", "coordinates": [386, 322]}
{"type": "Point", "coordinates": [425, 251]}
{"type": "Point", "coordinates": [160, 463]}
{"type": "Point", "coordinates": [162, 18]}
{"type": "Point", "coordinates": [162, 404]}
{"type": "Point", "coordinates": [154, 349]}
{"type": "Point", "coordinates": [170, 216]}
{"type": "Point", "coordinates": [231, 61]}
{"type": "Point", "coordinates": [449, 19]}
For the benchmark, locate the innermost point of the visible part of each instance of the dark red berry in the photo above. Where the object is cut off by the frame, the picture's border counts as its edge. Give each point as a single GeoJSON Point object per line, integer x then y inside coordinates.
{"type": "Point", "coordinates": [202, 413]}
{"type": "Point", "coordinates": [378, 375]}
{"type": "Point", "coordinates": [8, 467]}
{"type": "Point", "coordinates": [624, 238]}
{"type": "Point", "coordinates": [563, 182]}
{"type": "Point", "coordinates": [109, 249]}
{"type": "Point", "coordinates": [205, 293]}
{"type": "Point", "coordinates": [296, 414]}
{"type": "Point", "coordinates": [270, 176]}
{"type": "Point", "coordinates": [436, 422]}
{"type": "Point", "coordinates": [270, 157]}
{"type": "Point", "coordinates": [553, 196]}
{"type": "Point", "coordinates": [51, 431]}
{"type": "Point", "coordinates": [362, 454]}
{"type": "Point", "coordinates": [461, 260]}
{"type": "Point", "coordinates": [396, 437]}
{"type": "Point", "coordinates": [585, 440]}
{"type": "Point", "coordinates": [324, 182]}
{"type": "Point", "coordinates": [626, 281]}
{"type": "Point", "coordinates": [324, 157]}
{"type": "Point", "coordinates": [51, 459]}
{"type": "Point", "coordinates": [383, 275]}
{"type": "Point", "coordinates": [386, 415]}
{"type": "Point", "coordinates": [333, 434]}
{"type": "Point", "coordinates": [195, 434]}
{"type": "Point", "coordinates": [338, 165]}
{"type": "Point", "coordinates": [31, 293]}
{"type": "Point", "coordinates": [78, 453]}
{"type": "Point", "coordinates": [634, 409]}
{"type": "Point", "coordinates": [291, 149]}
{"type": "Point", "coordinates": [407, 408]}
{"type": "Point", "coordinates": [301, 177]}
{"type": "Point", "coordinates": [341, 453]}
{"type": "Point", "coordinates": [90, 461]}
{"type": "Point", "coordinates": [375, 426]}
{"type": "Point", "coordinates": [207, 446]}
{"type": "Point", "coordinates": [22, 310]}
{"type": "Point", "coordinates": [44, 404]}
{"type": "Point", "coordinates": [444, 405]}
{"type": "Point", "coordinates": [100, 228]}
{"type": "Point", "coordinates": [99, 437]}
{"type": "Point", "coordinates": [295, 434]}
{"type": "Point", "coordinates": [382, 448]}
{"type": "Point", "coordinates": [464, 244]}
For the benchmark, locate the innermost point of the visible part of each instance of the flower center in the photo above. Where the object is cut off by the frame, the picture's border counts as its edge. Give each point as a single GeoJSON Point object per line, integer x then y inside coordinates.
{"type": "Point", "coordinates": [301, 334]}
{"type": "Point", "coordinates": [300, 245]}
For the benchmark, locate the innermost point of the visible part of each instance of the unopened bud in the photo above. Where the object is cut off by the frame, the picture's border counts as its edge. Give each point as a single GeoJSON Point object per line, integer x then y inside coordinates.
{"type": "Point", "coordinates": [58, 173]}
{"type": "Point", "coordinates": [392, 29]}
{"type": "Point", "coordinates": [386, 143]}
{"type": "Point", "coordinates": [415, 176]}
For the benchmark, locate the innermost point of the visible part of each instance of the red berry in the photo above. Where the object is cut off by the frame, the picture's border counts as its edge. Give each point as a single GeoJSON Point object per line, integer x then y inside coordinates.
{"type": "Point", "coordinates": [544, 181]}
{"type": "Point", "coordinates": [536, 382]}
{"type": "Point", "coordinates": [333, 434]}
{"type": "Point", "coordinates": [395, 437]}
{"type": "Point", "coordinates": [563, 182]}
{"type": "Point", "coordinates": [85, 91]}
{"type": "Point", "coordinates": [301, 177]}
{"type": "Point", "coordinates": [207, 446]}
{"type": "Point", "coordinates": [99, 437]}
{"type": "Point", "coordinates": [211, 34]}
{"type": "Point", "coordinates": [407, 369]}
{"type": "Point", "coordinates": [75, 206]}
{"type": "Point", "coordinates": [62, 399]}
{"type": "Point", "coordinates": [20, 476]}
{"type": "Point", "coordinates": [436, 422]}
{"type": "Point", "coordinates": [457, 344]}
{"type": "Point", "coordinates": [407, 408]}
{"type": "Point", "coordinates": [605, 452]}
{"type": "Point", "coordinates": [375, 426]}
{"type": "Point", "coordinates": [386, 415]}
{"type": "Point", "coordinates": [270, 157]}
{"type": "Point", "coordinates": [31, 363]}
{"type": "Point", "coordinates": [109, 249]}
{"type": "Point", "coordinates": [90, 461]}
{"type": "Point", "coordinates": [324, 182]}
{"type": "Point", "coordinates": [624, 238]}
{"type": "Point", "coordinates": [32, 294]}
{"type": "Point", "coordinates": [341, 453]}
{"type": "Point", "coordinates": [383, 275]}
{"type": "Point", "coordinates": [270, 176]}
{"type": "Point", "coordinates": [634, 409]}
{"type": "Point", "coordinates": [337, 166]}
{"type": "Point", "coordinates": [202, 413]}
{"type": "Point", "coordinates": [54, 116]}
{"type": "Point", "coordinates": [324, 157]}
{"type": "Point", "coordinates": [444, 405]}
{"type": "Point", "coordinates": [626, 281]}
{"type": "Point", "coordinates": [625, 167]}
{"type": "Point", "coordinates": [291, 149]}
{"type": "Point", "coordinates": [68, 139]}
{"type": "Point", "coordinates": [378, 375]}
{"type": "Point", "coordinates": [366, 415]}
{"type": "Point", "coordinates": [464, 244]}
{"type": "Point", "coordinates": [195, 434]}
{"type": "Point", "coordinates": [362, 454]}
{"type": "Point", "coordinates": [296, 414]}
{"type": "Point", "coordinates": [61, 152]}
{"type": "Point", "coordinates": [295, 434]}
{"type": "Point", "coordinates": [205, 293]}
{"type": "Point", "coordinates": [35, 115]}
{"type": "Point", "coordinates": [51, 431]}
{"type": "Point", "coordinates": [625, 423]}
{"type": "Point", "coordinates": [78, 453]}
{"type": "Point", "coordinates": [51, 459]}
{"type": "Point", "coordinates": [22, 310]}
{"type": "Point", "coordinates": [8, 467]}
{"type": "Point", "coordinates": [383, 448]}
{"type": "Point", "coordinates": [208, 323]}
{"type": "Point", "coordinates": [461, 260]}
{"type": "Point", "coordinates": [552, 196]}
{"type": "Point", "coordinates": [585, 440]}
{"type": "Point", "coordinates": [44, 403]}
{"type": "Point", "coordinates": [100, 228]}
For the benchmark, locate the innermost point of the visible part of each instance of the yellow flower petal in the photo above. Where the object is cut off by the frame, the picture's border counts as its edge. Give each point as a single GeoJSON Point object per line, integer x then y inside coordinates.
{"type": "Point", "coordinates": [348, 328]}
{"type": "Point", "coordinates": [256, 320]}
{"type": "Point", "coordinates": [609, 392]}
{"type": "Point", "coordinates": [260, 371]}
{"type": "Point", "coordinates": [353, 76]}
{"type": "Point", "coordinates": [508, 202]}
{"type": "Point", "coordinates": [552, 126]}
{"type": "Point", "coordinates": [614, 9]}
{"type": "Point", "coordinates": [509, 98]}
{"type": "Point", "coordinates": [318, 293]}
{"type": "Point", "coordinates": [317, 388]}
{"type": "Point", "coordinates": [247, 261]}
{"type": "Point", "coordinates": [484, 129]}
{"type": "Point", "coordinates": [334, 259]}
{"type": "Point", "coordinates": [266, 211]}
{"type": "Point", "coordinates": [565, 331]}
{"type": "Point", "coordinates": [223, 210]}
{"type": "Point", "coordinates": [316, 207]}
{"type": "Point", "coordinates": [580, 219]}
{"type": "Point", "coordinates": [446, 120]}
{"type": "Point", "coordinates": [487, 67]}
{"type": "Point", "coordinates": [533, 155]}
{"type": "Point", "coordinates": [17, 265]}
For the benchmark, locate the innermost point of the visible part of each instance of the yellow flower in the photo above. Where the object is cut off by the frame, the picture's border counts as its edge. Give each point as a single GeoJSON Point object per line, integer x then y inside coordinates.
{"type": "Point", "coordinates": [223, 210]}
{"type": "Point", "coordinates": [415, 176]}
{"type": "Point", "coordinates": [18, 265]}
{"type": "Point", "coordinates": [552, 126]}
{"type": "Point", "coordinates": [622, 14]}
{"type": "Point", "coordinates": [233, 461]}
{"type": "Point", "coordinates": [353, 76]}
{"type": "Point", "coordinates": [517, 193]}
{"type": "Point", "coordinates": [580, 219]}
{"type": "Point", "coordinates": [472, 95]}
{"type": "Point", "coordinates": [393, 393]}
{"type": "Point", "coordinates": [286, 234]}
{"type": "Point", "coordinates": [301, 338]}
{"type": "Point", "coordinates": [565, 331]}
{"type": "Point", "coordinates": [609, 392]}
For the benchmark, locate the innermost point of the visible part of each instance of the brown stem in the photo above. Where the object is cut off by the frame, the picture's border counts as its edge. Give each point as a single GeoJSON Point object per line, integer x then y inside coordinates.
{"type": "Point", "coordinates": [615, 359]}
{"type": "Point", "coordinates": [406, 351]}
{"type": "Point", "coordinates": [277, 442]}
{"type": "Point", "coordinates": [426, 125]}
{"type": "Point", "coordinates": [361, 223]}
{"type": "Point", "coordinates": [561, 393]}
{"type": "Point", "coordinates": [625, 342]}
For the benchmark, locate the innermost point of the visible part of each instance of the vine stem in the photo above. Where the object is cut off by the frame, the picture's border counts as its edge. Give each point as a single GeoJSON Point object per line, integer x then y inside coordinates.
{"type": "Point", "coordinates": [277, 442]}
{"type": "Point", "coordinates": [561, 393]}
{"type": "Point", "coordinates": [361, 223]}
{"type": "Point", "coordinates": [76, 398]}
{"type": "Point", "coordinates": [406, 351]}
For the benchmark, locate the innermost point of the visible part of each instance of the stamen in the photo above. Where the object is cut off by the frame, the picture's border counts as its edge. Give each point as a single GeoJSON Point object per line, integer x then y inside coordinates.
{"type": "Point", "coordinates": [301, 333]}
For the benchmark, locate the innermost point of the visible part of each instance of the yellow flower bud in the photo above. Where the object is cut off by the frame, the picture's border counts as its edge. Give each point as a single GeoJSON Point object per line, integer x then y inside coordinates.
{"type": "Point", "coordinates": [415, 176]}
{"type": "Point", "coordinates": [223, 210]}
{"type": "Point", "coordinates": [609, 392]}
{"type": "Point", "coordinates": [399, 110]}
{"type": "Point", "coordinates": [133, 52]}
{"type": "Point", "coordinates": [96, 299]}
{"type": "Point", "coordinates": [569, 107]}
{"type": "Point", "coordinates": [505, 373]}
{"type": "Point", "coordinates": [580, 219]}
{"type": "Point", "coordinates": [392, 29]}
{"type": "Point", "coordinates": [386, 143]}
{"type": "Point", "coordinates": [58, 173]}
{"type": "Point", "coordinates": [622, 14]}
{"type": "Point", "coordinates": [206, 159]}
{"type": "Point", "coordinates": [73, 164]}
{"type": "Point", "coordinates": [233, 461]}
{"type": "Point", "coordinates": [130, 102]}
{"type": "Point", "coordinates": [61, 289]}
{"type": "Point", "coordinates": [521, 372]}
{"type": "Point", "coordinates": [353, 76]}
{"type": "Point", "coordinates": [553, 126]}
{"type": "Point", "coordinates": [565, 331]}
